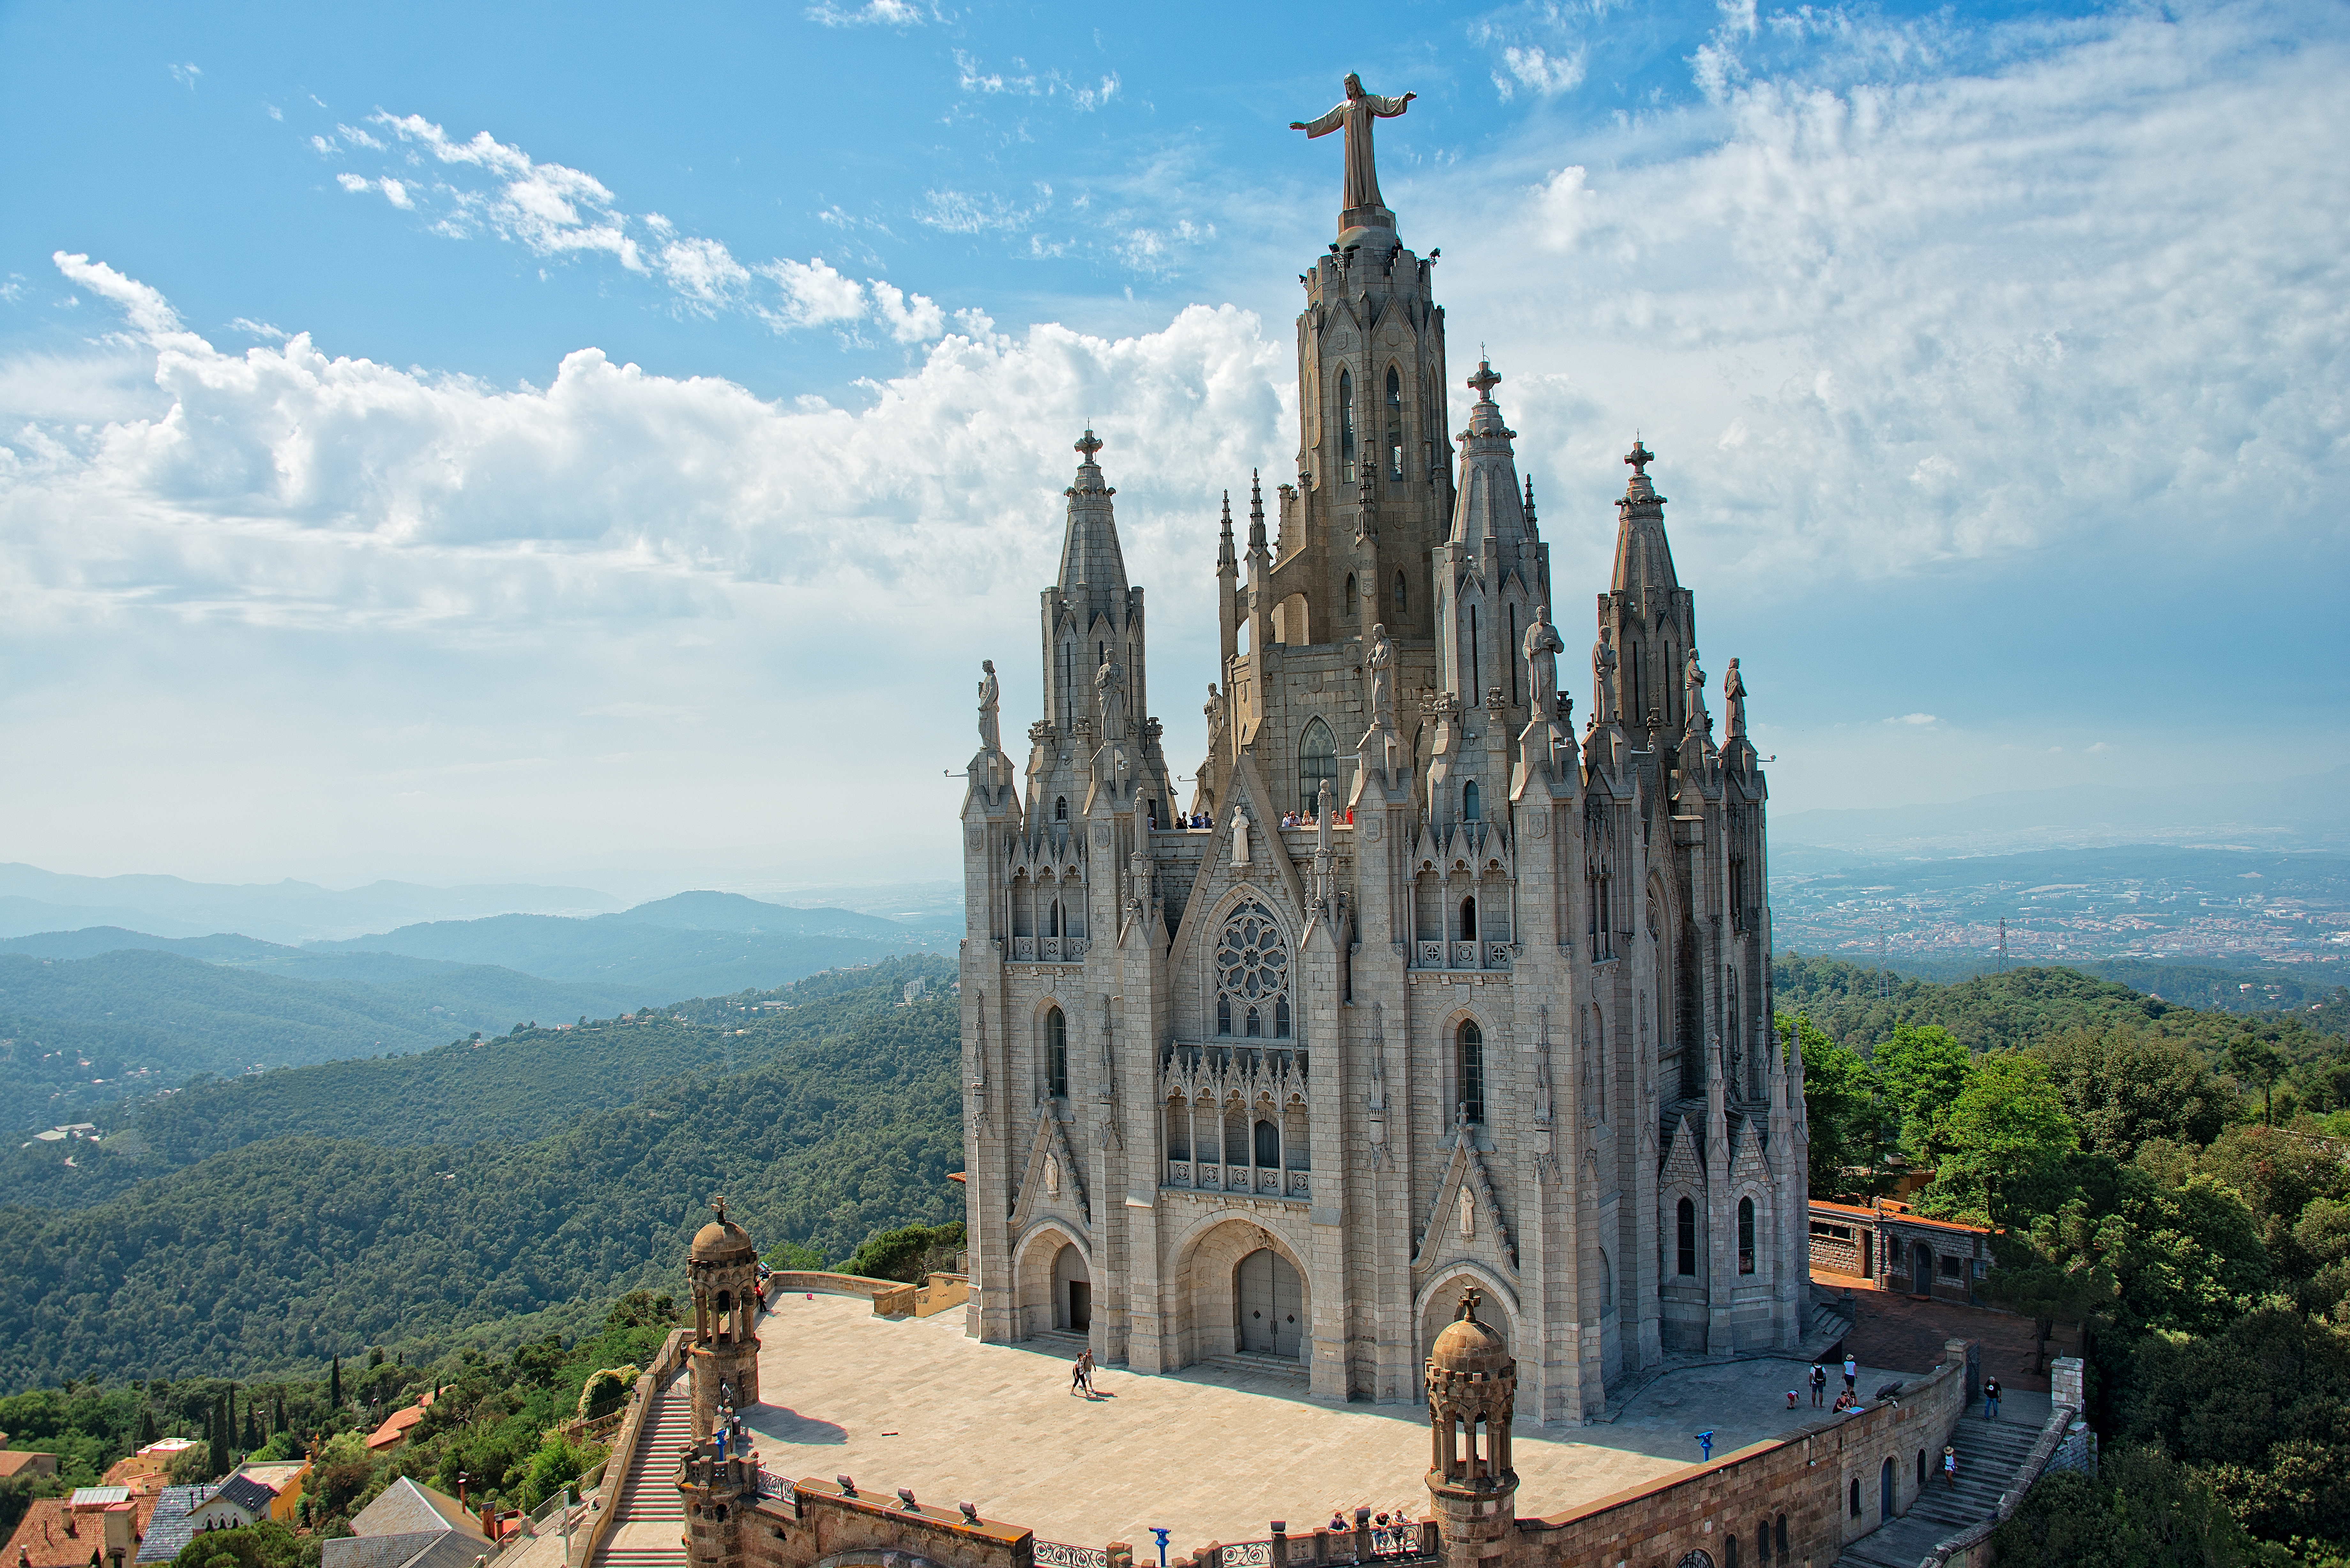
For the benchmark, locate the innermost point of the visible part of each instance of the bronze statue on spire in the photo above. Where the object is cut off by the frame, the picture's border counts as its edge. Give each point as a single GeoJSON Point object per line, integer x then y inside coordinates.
{"type": "Point", "coordinates": [1355, 112]}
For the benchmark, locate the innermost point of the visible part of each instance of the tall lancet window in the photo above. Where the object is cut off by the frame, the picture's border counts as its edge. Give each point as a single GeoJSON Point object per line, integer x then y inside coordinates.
{"type": "Point", "coordinates": [1317, 762]}
{"type": "Point", "coordinates": [1347, 426]}
{"type": "Point", "coordinates": [1395, 424]}
{"type": "Point", "coordinates": [1469, 1069]}
{"type": "Point", "coordinates": [1509, 648]}
{"type": "Point", "coordinates": [1057, 1054]}
{"type": "Point", "coordinates": [1401, 592]}
{"type": "Point", "coordinates": [1252, 973]}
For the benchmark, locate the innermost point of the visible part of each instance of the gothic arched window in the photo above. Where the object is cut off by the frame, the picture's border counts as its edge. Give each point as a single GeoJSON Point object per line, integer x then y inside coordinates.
{"type": "Point", "coordinates": [1352, 607]}
{"type": "Point", "coordinates": [1251, 971]}
{"type": "Point", "coordinates": [1470, 1060]}
{"type": "Point", "coordinates": [1281, 1019]}
{"type": "Point", "coordinates": [1057, 1054]}
{"type": "Point", "coordinates": [1687, 1238]}
{"type": "Point", "coordinates": [1469, 920]}
{"type": "Point", "coordinates": [1347, 426]}
{"type": "Point", "coordinates": [1471, 809]}
{"type": "Point", "coordinates": [1395, 424]}
{"type": "Point", "coordinates": [1268, 1146]}
{"type": "Point", "coordinates": [1317, 761]}
{"type": "Point", "coordinates": [1400, 593]}
{"type": "Point", "coordinates": [1061, 808]}
{"type": "Point", "coordinates": [1746, 1235]}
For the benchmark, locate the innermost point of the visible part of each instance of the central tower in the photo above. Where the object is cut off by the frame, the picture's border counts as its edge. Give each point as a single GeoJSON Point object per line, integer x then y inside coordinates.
{"type": "Point", "coordinates": [1419, 995]}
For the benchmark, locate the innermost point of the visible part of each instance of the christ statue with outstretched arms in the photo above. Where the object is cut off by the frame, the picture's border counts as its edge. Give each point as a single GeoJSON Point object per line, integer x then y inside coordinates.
{"type": "Point", "coordinates": [1355, 114]}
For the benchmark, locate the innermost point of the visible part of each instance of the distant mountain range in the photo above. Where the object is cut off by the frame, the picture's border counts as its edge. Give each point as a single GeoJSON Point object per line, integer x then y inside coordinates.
{"type": "Point", "coordinates": [89, 1016]}
{"type": "Point", "coordinates": [32, 900]}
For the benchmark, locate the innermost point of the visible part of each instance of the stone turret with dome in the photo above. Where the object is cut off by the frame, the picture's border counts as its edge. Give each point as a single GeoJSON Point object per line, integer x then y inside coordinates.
{"type": "Point", "coordinates": [723, 1359]}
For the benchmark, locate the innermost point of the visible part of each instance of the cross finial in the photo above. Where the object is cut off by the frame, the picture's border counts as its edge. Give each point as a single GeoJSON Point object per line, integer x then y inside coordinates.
{"type": "Point", "coordinates": [718, 1207]}
{"type": "Point", "coordinates": [1485, 380]}
{"type": "Point", "coordinates": [1469, 1300]}
{"type": "Point", "coordinates": [1639, 457]}
{"type": "Point", "coordinates": [1089, 443]}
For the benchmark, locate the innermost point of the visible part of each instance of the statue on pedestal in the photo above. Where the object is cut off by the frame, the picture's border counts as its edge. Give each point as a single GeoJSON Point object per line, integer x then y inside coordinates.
{"type": "Point", "coordinates": [991, 738]}
{"type": "Point", "coordinates": [1734, 699]}
{"type": "Point", "coordinates": [1603, 675]}
{"type": "Point", "coordinates": [1354, 113]}
{"type": "Point", "coordinates": [1380, 664]}
{"type": "Point", "coordinates": [1543, 647]}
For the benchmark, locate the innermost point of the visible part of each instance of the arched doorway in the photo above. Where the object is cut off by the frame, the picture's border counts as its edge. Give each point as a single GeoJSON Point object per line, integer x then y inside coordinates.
{"type": "Point", "coordinates": [1921, 1269]}
{"type": "Point", "coordinates": [1885, 1491]}
{"type": "Point", "coordinates": [1073, 1291]}
{"type": "Point", "coordinates": [1269, 1305]}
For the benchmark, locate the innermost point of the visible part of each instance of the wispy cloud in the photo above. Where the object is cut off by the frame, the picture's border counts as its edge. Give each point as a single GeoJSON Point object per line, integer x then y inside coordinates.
{"type": "Point", "coordinates": [1020, 81]}
{"type": "Point", "coordinates": [186, 74]}
{"type": "Point", "coordinates": [1539, 71]}
{"type": "Point", "coordinates": [469, 187]}
{"type": "Point", "coordinates": [872, 14]}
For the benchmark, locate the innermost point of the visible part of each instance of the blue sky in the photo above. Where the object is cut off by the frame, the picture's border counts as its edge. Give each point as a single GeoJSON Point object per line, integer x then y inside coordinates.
{"type": "Point", "coordinates": [482, 443]}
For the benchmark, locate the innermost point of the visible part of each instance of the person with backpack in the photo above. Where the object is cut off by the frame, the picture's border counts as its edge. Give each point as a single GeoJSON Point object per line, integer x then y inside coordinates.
{"type": "Point", "coordinates": [1819, 1387]}
{"type": "Point", "coordinates": [1991, 1398]}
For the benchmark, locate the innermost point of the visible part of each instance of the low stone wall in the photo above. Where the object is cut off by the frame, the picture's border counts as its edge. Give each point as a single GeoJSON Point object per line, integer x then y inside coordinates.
{"type": "Point", "coordinates": [818, 1521]}
{"type": "Point", "coordinates": [890, 1298]}
{"type": "Point", "coordinates": [1807, 1478]}
{"type": "Point", "coordinates": [622, 1459]}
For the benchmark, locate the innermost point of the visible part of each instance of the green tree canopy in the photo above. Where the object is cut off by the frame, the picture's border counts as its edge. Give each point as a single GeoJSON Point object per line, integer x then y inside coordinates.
{"type": "Point", "coordinates": [2006, 1131]}
{"type": "Point", "coordinates": [1922, 1071]}
{"type": "Point", "coordinates": [2124, 1086]}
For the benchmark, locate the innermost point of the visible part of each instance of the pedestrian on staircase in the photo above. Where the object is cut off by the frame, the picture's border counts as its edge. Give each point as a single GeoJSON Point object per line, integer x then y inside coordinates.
{"type": "Point", "coordinates": [1819, 1386]}
{"type": "Point", "coordinates": [1950, 1465]}
{"type": "Point", "coordinates": [1991, 1398]}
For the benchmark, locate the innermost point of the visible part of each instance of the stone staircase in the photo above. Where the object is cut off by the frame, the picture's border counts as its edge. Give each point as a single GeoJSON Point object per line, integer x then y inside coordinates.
{"type": "Point", "coordinates": [649, 1529]}
{"type": "Point", "coordinates": [1990, 1453]}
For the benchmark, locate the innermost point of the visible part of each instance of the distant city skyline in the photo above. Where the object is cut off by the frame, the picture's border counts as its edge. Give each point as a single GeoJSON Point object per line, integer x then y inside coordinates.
{"type": "Point", "coordinates": [463, 447]}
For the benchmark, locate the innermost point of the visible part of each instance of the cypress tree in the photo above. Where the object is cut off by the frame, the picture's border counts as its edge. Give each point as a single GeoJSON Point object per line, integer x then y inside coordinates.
{"type": "Point", "coordinates": [335, 1385]}
{"type": "Point", "coordinates": [146, 1426]}
{"type": "Point", "coordinates": [252, 1428]}
{"type": "Point", "coordinates": [216, 1461]}
{"type": "Point", "coordinates": [277, 1422]}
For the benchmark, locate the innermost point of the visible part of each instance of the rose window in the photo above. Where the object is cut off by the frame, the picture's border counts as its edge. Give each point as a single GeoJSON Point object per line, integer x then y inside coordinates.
{"type": "Point", "coordinates": [1253, 975]}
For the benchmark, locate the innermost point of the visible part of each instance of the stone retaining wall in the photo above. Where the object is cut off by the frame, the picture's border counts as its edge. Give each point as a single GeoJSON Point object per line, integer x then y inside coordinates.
{"type": "Point", "coordinates": [1806, 1477]}
{"type": "Point", "coordinates": [819, 1523]}
{"type": "Point", "coordinates": [2059, 1447]}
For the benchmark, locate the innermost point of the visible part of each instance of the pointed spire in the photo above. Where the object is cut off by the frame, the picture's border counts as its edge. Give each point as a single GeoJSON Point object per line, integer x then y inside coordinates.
{"type": "Point", "coordinates": [1644, 559]}
{"type": "Point", "coordinates": [1530, 500]}
{"type": "Point", "coordinates": [1485, 504]}
{"type": "Point", "coordinates": [1092, 567]}
{"type": "Point", "coordinates": [1224, 557]}
{"type": "Point", "coordinates": [1257, 515]}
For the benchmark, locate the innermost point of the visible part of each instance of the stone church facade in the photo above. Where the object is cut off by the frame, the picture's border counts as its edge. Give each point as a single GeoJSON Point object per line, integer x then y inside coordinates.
{"type": "Point", "coordinates": [1496, 1016]}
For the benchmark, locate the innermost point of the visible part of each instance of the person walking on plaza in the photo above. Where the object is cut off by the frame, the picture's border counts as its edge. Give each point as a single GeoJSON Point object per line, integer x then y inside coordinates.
{"type": "Point", "coordinates": [1991, 1398]}
{"type": "Point", "coordinates": [1851, 1372]}
{"type": "Point", "coordinates": [1086, 1369]}
{"type": "Point", "coordinates": [1078, 1377]}
{"type": "Point", "coordinates": [1819, 1386]}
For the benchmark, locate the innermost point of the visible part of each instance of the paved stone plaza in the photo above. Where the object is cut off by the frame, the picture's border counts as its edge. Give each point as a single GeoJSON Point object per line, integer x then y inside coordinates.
{"type": "Point", "coordinates": [1214, 1454]}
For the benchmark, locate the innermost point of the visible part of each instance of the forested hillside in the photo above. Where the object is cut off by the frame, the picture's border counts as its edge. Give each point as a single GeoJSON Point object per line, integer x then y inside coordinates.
{"type": "Point", "coordinates": [282, 1252]}
{"type": "Point", "coordinates": [1857, 1006]}
{"type": "Point", "coordinates": [507, 1088]}
{"type": "Point", "coordinates": [2173, 1180]}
